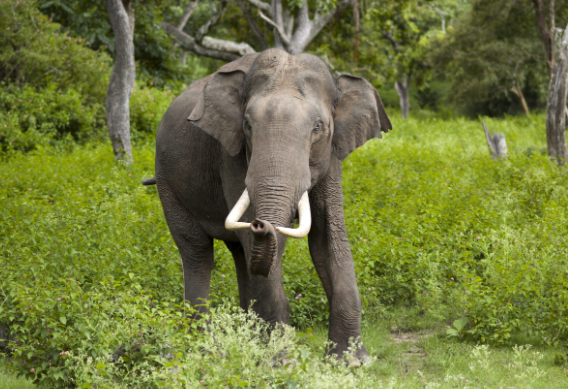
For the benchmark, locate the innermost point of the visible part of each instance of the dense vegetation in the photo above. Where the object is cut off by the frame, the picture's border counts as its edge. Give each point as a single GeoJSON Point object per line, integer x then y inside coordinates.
{"type": "Point", "coordinates": [436, 225]}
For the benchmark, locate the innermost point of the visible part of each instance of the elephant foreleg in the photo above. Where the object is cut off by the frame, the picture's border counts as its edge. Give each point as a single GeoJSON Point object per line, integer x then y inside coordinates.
{"type": "Point", "coordinates": [331, 254]}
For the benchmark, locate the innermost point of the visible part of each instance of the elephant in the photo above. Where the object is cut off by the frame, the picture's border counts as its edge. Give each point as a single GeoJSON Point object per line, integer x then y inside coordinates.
{"type": "Point", "coordinates": [263, 140]}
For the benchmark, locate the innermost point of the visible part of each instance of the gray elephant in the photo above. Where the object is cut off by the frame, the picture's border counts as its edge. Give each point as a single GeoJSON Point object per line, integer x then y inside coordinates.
{"type": "Point", "coordinates": [262, 140]}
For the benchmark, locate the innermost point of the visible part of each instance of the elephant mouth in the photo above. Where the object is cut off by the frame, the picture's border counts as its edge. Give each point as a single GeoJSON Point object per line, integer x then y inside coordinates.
{"type": "Point", "coordinates": [265, 248]}
{"type": "Point", "coordinates": [304, 214]}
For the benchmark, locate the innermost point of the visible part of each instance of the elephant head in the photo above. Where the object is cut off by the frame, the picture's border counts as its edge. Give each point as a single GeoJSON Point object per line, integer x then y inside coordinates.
{"type": "Point", "coordinates": [291, 117]}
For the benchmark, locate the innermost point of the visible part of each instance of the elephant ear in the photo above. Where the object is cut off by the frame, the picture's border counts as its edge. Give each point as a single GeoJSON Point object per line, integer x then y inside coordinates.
{"type": "Point", "coordinates": [219, 109]}
{"type": "Point", "coordinates": [359, 115]}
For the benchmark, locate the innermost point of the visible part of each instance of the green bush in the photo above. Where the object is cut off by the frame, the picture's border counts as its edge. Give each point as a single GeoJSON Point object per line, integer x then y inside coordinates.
{"type": "Point", "coordinates": [53, 86]}
{"type": "Point", "coordinates": [435, 224]}
{"type": "Point", "coordinates": [147, 106]}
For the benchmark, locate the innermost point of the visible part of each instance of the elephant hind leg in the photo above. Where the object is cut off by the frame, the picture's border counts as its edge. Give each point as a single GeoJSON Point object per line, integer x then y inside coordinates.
{"type": "Point", "coordinates": [195, 248]}
{"type": "Point", "coordinates": [243, 277]}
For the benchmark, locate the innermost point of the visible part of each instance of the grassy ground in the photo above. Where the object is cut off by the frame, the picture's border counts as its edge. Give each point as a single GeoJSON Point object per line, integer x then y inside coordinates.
{"type": "Point", "coordinates": [10, 381]}
{"type": "Point", "coordinates": [428, 359]}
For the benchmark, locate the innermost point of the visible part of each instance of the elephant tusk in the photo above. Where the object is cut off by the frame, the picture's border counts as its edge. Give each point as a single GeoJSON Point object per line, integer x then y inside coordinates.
{"type": "Point", "coordinates": [305, 216]}
{"type": "Point", "coordinates": [232, 221]}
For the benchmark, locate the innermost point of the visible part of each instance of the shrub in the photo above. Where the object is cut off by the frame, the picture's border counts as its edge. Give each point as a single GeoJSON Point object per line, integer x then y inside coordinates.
{"type": "Point", "coordinates": [147, 106]}
{"type": "Point", "coordinates": [53, 86]}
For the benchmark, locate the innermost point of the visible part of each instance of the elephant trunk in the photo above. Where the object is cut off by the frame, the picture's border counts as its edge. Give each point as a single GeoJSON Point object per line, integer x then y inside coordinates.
{"type": "Point", "coordinates": [274, 207]}
{"type": "Point", "coordinates": [264, 248]}
{"type": "Point", "coordinates": [277, 177]}
{"type": "Point", "coordinates": [265, 243]}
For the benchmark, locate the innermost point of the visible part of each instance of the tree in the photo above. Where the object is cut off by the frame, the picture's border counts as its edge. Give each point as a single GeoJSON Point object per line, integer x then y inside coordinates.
{"type": "Point", "coordinates": [492, 58]}
{"type": "Point", "coordinates": [402, 31]}
{"type": "Point", "coordinates": [122, 78]}
{"type": "Point", "coordinates": [556, 110]}
{"type": "Point", "coordinates": [157, 58]}
{"type": "Point", "coordinates": [293, 28]}
{"type": "Point", "coordinates": [556, 107]}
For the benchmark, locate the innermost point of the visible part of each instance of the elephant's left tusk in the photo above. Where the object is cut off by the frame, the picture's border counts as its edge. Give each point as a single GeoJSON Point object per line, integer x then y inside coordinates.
{"type": "Point", "coordinates": [305, 216]}
{"type": "Point", "coordinates": [232, 221]}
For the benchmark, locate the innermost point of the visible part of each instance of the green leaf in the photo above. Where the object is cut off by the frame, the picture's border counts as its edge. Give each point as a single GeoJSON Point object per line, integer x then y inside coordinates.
{"type": "Point", "coordinates": [63, 320]}
{"type": "Point", "coordinates": [451, 332]}
{"type": "Point", "coordinates": [460, 324]}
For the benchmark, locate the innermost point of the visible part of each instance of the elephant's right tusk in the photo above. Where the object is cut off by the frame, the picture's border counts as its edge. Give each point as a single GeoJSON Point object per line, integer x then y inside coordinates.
{"type": "Point", "coordinates": [305, 216]}
{"type": "Point", "coordinates": [232, 221]}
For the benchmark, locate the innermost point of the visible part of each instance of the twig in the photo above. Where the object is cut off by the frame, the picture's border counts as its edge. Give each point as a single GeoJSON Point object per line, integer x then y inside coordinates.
{"type": "Point", "coordinates": [283, 35]}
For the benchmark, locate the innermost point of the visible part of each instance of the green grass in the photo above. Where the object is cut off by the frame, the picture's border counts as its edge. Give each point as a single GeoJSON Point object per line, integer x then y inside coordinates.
{"type": "Point", "coordinates": [9, 380]}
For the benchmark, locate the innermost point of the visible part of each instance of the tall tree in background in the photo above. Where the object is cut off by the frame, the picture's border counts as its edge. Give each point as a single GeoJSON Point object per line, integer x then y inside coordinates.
{"type": "Point", "coordinates": [121, 14]}
{"type": "Point", "coordinates": [397, 35]}
{"type": "Point", "coordinates": [556, 110]}
{"type": "Point", "coordinates": [293, 27]}
{"type": "Point", "coordinates": [556, 107]}
{"type": "Point", "coordinates": [495, 69]}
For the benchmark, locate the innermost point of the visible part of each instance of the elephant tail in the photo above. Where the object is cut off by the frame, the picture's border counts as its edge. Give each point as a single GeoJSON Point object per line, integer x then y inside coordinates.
{"type": "Point", "coordinates": [149, 181]}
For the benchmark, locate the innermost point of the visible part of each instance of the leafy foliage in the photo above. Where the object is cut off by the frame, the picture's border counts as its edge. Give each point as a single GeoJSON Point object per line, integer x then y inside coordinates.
{"type": "Point", "coordinates": [54, 86]}
{"type": "Point", "coordinates": [491, 49]}
{"type": "Point", "coordinates": [156, 57]}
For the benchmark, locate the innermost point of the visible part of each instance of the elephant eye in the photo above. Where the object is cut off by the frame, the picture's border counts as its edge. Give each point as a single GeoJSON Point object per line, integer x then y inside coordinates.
{"type": "Point", "coordinates": [319, 126]}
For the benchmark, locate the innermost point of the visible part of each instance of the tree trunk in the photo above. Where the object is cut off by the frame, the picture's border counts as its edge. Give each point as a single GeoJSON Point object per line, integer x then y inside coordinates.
{"type": "Point", "coordinates": [277, 16]}
{"type": "Point", "coordinates": [403, 90]}
{"type": "Point", "coordinates": [546, 32]}
{"type": "Point", "coordinates": [556, 105]}
{"type": "Point", "coordinates": [356, 20]}
{"type": "Point", "coordinates": [121, 16]}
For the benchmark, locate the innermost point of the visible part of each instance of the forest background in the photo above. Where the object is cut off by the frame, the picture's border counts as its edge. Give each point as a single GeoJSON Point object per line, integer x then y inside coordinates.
{"type": "Point", "coordinates": [445, 58]}
{"type": "Point", "coordinates": [442, 235]}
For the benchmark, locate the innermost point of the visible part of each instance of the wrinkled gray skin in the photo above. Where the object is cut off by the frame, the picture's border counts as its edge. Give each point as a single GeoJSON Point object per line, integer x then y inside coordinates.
{"type": "Point", "coordinates": [278, 125]}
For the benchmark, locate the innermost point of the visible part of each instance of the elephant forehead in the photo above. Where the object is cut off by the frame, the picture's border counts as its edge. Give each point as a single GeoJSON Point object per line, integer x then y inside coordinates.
{"type": "Point", "coordinates": [299, 82]}
{"type": "Point", "coordinates": [301, 76]}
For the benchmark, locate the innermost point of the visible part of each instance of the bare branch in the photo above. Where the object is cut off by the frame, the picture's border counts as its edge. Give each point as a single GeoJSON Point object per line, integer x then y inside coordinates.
{"type": "Point", "coordinates": [277, 16]}
{"type": "Point", "coordinates": [253, 24]}
{"type": "Point", "coordinates": [288, 22]}
{"type": "Point", "coordinates": [222, 45]}
{"type": "Point", "coordinates": [187, 14]}
{"type": "Point", "coordinates": [356, 17]}
{"type": "Point", "coordinates": [188, 43]}
{"type": "Point", "coordinates": [545, 33]}
{"type": "Point", "coordinates": [308, 29]}
{"type": "Point", "coordinates": [392, 40]}
{"type": "Point", "coordinates": [299, 40]}
{"type": "Point", "coordinates": [261, 5]}
{"type": "Point", "coordinates": [215, 18]}
{"type": "Point", "coordinates": [283, 35]}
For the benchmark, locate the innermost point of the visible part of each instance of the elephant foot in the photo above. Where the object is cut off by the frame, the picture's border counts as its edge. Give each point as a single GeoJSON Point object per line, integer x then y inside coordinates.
{"type": "Point", "coordinates": [359, 360]}
{"type": "Point", "coordinates": [353, 359]}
